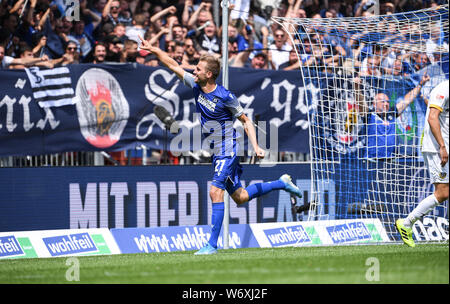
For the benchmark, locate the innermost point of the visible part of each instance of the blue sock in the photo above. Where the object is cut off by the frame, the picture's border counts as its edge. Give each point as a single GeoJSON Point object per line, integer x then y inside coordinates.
{"type": "Point", "coordinates": [216, 221]}
{"type": "Point", "coordinates": [259, 189]}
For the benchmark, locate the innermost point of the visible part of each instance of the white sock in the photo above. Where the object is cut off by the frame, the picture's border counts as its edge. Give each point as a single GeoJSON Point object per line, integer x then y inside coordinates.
{"type": "Point", "coordinates": [423, 208]}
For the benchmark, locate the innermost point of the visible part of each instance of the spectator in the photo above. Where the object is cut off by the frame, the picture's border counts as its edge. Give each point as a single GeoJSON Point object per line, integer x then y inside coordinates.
{"type": "Point", "coordinates": [254, 46]}
{"type": "Point", "coordinates": [56, 37]}
{"type": "Point", "coordinates": [125, 9]}
{"type": "Point", "coordinates": [112, 14]}
{"type": "Point", "coordinates": [309, 54]}
{"type": "Point", "coordinates": [158, 38]}
{"type": "Point", "coordinates": [177, 33]}
{"type": "Point", "coordinates": [10, 23]}
{"type": "Point", "coordinates": [293, 10]}
{"type": "Point", "coordinates": [160, 18]}
{"type": "Point", "coordinates": [129, 52]}
{"type": "Point", "coordinates": [208, 40]}
{"type": "Point", "coordinates": [339, 49]}
{"type": "Point", "coordinates": [188, 9]}
{"type": "Point", "coordinates": [233, 53]}
{"type": "Point", "coordinates": [292, 64]}
{"type": "Point", "coordinates": [66, 28]}
{"type": "Point", "coordinates": [376, 53]}
{"type": "Point", "coordinates": [98, 7]}
{"type": "Point", "coordinates": [387, 8]}
{"type": "Point", "coordinates": [420, 60]}
{"type": "Point", "coordinates": [120, 32]}
{"type": "Point", "coordinates": [259, 61]}
{"type": "Point", "coordinates": [99, 53]}
{"type": "Point", "coordinates": [436, 43]}
{"type": "Point", "coordinates": [137, 28]}
{"type": "Point", "coordinates": [310, 6]}
{"type": "Point", "coordinates": [178, 52]}
{"type": "Point", "coordinates": [201, 15]}
{"type": "Point", "coordinates": [31, 22]}
{"type": "Point", "coordinates": [72, 54]}
{"type": "Point", "coordinates": [114, 47]}
{"type": "Point", "coordinates": [381, 122]}
{"type": "Point", "coordinates": [372, 67]}
{"type": "Point", "coordinates": [151, 60]}
{"type": "Point", "coordinates": [279, 50]}
{"type": "Point", "coordinates": [170, 47]}
{"type": "Point", "coordinates": [84, 40]}
{"type": "Point", "coordinates": [165, 18]}
{"type": "Point", "coordinates": [26, 55]}
{"type": "Point", "coordinates": [8, 61]}
{"type": "Point", "coordinates": [362, 6]}
{"type": "Point", "coordinates": [91, 17]}
{"type": "Point", "coordinates": [397, 68]}
{"type": "Point", "coordinates": [103, 31]}
{"type": "Point", "coordinates": [39, 41]}
{"type": "Point", "coordinates": [333, 10]}
{"type": "Point", "coordinates": [233, 34]}
{"type": "Point", "coordinates": [235, 58]}
{"type": "Point", "coordinates": [172, 22]}
{"type": "Point", "coordinates": [191, 56]}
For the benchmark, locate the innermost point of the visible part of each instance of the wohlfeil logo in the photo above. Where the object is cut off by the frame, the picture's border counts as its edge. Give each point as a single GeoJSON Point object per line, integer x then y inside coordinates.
{"type": "Point", "coordinates": [287, 236]}
{"type": "Point", "coordinates": [9, 246]}
{"type": "Point", "coordinates": [70, 244]}
{"type": "Point", "coordinates": [350, 232]}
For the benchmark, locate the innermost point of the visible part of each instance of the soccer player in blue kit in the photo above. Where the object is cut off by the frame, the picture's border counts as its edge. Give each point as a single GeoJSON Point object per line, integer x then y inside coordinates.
{"type": "Point", "coordinates": [218, 108]}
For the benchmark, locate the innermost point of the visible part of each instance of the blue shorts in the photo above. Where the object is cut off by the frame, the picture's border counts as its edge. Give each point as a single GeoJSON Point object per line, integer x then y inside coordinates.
{"type": "Point", "coordinates": [227, 173]}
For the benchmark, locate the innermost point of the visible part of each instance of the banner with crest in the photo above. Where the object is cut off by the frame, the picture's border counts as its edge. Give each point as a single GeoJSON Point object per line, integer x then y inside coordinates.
{"type": "Point", "coordinates": [110, 108]}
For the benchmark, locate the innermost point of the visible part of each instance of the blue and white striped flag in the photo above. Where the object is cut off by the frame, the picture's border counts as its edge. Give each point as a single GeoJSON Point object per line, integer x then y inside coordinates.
{"type": "Point", "coordinates": [51, 87]}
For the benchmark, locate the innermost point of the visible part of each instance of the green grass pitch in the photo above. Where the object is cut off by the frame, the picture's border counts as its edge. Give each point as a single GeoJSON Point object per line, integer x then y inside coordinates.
{"type": "Point", "coordinates": [311, 265]}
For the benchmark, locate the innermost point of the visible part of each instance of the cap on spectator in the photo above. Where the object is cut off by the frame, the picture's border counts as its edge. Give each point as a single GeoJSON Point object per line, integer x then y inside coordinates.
{"type": "Point", "coordinates": [143, 53]}
{"type": "Point", "coordinates": [261, 53]}
{"type": "Point", "coordinates": [150, 57]}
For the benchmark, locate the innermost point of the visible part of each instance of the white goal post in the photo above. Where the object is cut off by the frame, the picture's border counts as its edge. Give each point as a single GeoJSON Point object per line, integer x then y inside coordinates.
{"type": "Point", "coordinates": [373, 76]}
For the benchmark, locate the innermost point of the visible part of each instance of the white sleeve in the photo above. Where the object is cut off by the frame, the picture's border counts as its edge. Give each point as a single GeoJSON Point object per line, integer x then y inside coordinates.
{"type": "Point", "coordinates": [7, 60]}
{"type": "Point", "coordinates": [188, 79]}
{"type": "Point", "coordinates": [439, 95]}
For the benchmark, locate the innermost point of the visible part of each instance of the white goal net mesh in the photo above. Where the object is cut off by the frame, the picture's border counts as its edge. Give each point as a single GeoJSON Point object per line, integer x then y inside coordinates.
{"type": "Point", "coordinates": [372, 77]}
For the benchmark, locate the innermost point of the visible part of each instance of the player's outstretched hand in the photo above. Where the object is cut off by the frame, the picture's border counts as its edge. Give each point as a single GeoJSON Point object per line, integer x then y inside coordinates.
{"type": "Point", "coordinates": [260, 153]}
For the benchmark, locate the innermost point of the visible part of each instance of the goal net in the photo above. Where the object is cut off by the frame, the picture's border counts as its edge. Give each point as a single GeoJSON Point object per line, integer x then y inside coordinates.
{"type": "Point", "coordinates": [372, 77]}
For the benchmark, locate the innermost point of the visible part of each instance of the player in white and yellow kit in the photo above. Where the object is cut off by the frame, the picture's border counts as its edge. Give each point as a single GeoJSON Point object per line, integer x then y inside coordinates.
{"type": "Point", "coordinates": [435, 148]}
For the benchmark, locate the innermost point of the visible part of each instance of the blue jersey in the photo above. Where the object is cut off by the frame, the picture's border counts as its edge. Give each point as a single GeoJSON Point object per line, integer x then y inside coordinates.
{"type": "Point", "coordinates": [381, 136]}
{"type": "Point", "coordinates": [218, 110]}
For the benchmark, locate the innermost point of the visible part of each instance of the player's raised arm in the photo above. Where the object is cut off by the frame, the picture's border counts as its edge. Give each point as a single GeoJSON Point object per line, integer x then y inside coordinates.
{"type": "Point", "coordinates": [163, 57]}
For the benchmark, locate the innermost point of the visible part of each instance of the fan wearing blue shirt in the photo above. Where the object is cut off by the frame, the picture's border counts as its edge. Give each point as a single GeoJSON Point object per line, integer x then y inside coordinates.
{"type": "Point", "coordinates": [381, 119]}
{"type": "Point", "coordinates": [219, 108]}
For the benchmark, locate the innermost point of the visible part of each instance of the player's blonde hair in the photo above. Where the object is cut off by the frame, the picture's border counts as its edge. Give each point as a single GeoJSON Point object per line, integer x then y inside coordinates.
{"type": "Point", "coordinates": [212, 64]}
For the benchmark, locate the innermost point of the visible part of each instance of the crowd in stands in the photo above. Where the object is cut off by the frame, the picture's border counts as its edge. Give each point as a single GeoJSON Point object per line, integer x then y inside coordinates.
{"type": "Point", "coordinates": [51, 33]}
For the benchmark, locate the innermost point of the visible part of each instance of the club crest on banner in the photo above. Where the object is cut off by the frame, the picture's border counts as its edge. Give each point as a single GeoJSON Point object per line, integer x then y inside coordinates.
{"type": "Point", "coordinates": [345, 124]}
{"type": "Point", "coordinates": [102, 108]}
